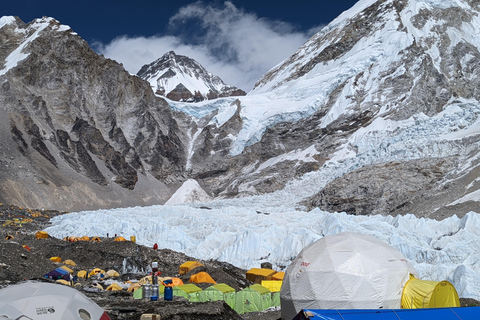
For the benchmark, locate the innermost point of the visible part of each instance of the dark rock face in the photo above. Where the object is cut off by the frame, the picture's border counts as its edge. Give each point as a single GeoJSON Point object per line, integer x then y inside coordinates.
{"type": "Point", "coordinates": [67, 106]}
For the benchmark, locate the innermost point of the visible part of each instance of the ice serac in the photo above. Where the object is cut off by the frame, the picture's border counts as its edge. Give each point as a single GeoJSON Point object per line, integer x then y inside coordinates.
{"type": "Point", "coordinates": [181, 78]}
{"type": "Point", "coordinates": [388, 87]}
{"type": "Point", "coordinates": [189, 192]}
{"type": "Point", "coordinates": [77, 130]}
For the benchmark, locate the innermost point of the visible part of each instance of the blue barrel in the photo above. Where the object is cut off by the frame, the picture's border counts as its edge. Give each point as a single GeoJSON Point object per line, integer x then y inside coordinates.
{"type": "Point", "coordinates": [168, 293]}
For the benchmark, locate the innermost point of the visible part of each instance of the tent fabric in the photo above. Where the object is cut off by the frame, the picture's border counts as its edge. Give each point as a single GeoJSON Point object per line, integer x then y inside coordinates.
{"type": "Point", "coordinates": [272, 285]}
{"type": "Point", "coordinates": [219, 292]}
{"type": "Point", "coordinates": [252, 299]}
{"type": "Point", "coordinates": [55, 275]}
{"type": "Point", "coordinates": [96, 271]}
{"type": "Point", "coordinates": [466, 313]}
{"type": "Point", "coordinates": [202, 277]}
{"type": "Point", "coordinates": [34, 300]}
{"type": "Point", "coordinates": [188, 266]}
{"type": "Point", "coordinates": [278, 276]}
{"type": "Point", "coordinates": [63, 281]}
{"type": "Point", "coordinates": [120, 239]}
{"type": "Point", "coordinates": [345, 271]}
{"type": "Point", "coordinates": [112, 273]}
{"type": "Point", "coordinates": [429, 294]}
{"type": "Point", "coordinates": [70, 262]}
{"type": "Point", "coordinates": [56, 259]}
{"type": "Point", "coordinates": [84, 238]}
{"type": "Point", "coordinates": [66, 269]}
{"type": "Point", "coordinates": [114, 287]}
{"type": "Point", "coordinates": [82, 274]}
{"type": "Point", "coordinates": [189, 291]}
{"type": "Point", "coordinates": [256, 275]}
{"type": "Point", "coordinates": [41, 235]}
{"type": "Point", "coordinates": [134, 286]}
{"type": "Point", "coordinates": [95, 239]}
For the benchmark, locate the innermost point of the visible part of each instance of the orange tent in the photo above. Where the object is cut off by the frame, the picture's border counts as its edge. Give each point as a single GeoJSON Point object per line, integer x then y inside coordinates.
{"type": "Point", "coordinates": [257, 275]}
{"type": "Point", "coordinates": [95, 239]}
{"type": "Point", "coordinates": [41, 235]}
{"type": "Point", "coordinates": [84, 238]}
{"type": "Point", "coordinates": [201, 277]}
{"type": "Point", "coordinates": [120, 239]}
{"type": "Point", "coordinates": [278, 276]}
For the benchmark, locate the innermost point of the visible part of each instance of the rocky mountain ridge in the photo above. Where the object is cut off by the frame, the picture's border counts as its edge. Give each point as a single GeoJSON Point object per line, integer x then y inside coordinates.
{"type": "Point", "coordinates": [181, 78]}
{"type": "Point", "coordinates": [381, 106]}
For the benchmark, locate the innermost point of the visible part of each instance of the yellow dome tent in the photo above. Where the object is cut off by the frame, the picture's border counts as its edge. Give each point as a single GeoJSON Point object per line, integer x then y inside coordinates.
{"type": "Point", "coordinates": [95, 239]}
{"type": "Point", "coordinates": [188, 266]}
{"type": "Point", "coordinates": [96, 271]}
{"type": "Point", "coordinates": [201, 277]}
{"type": "Point", "coordinates": [56, 259]}
{"type": "Point", "coordinates": [65, 282]}
{"type": "Point", "coordinates": [134, 287]}
{"type": "Point", "coordinates": [41, 235]}
{"type": "Point", "coordinates": [112, 273]}
{"type": "Point", "coordinates": [70, 262]}
{"type": "Point", "coordinates": [120, 239]}
{"type": "Point", "coordinates": [114, 287]}
{"type": "Point", "coordinates": [84, 238]}
{"type": "Point", "coordinates": [82, 274]}
{"type": "Point", "coordinates": [419, 294]}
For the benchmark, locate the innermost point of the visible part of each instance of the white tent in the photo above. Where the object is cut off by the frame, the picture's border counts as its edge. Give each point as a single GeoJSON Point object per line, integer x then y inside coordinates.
{"type": "Point", "coordinates": [38, 300]}
{"type": "Point", "coordinates": [345, 271]}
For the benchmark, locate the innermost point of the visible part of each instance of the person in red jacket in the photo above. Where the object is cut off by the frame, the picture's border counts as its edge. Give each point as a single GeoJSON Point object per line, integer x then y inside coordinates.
{"type": "Point", "coordinates": [155, 246]}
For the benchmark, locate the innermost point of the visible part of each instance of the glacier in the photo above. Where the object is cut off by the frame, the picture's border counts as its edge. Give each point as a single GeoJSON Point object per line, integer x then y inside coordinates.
{"type": "Point", "coordinates": [275, 228]}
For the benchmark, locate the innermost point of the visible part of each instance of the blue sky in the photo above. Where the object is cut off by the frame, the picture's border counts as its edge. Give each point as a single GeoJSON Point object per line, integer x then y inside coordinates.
{"type": "Point", "coordinates": [237, 40]}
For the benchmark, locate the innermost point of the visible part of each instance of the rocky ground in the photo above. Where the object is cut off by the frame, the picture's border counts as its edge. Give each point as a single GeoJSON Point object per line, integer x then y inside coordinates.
{"type": "Point", "coordinates": [26, 258]}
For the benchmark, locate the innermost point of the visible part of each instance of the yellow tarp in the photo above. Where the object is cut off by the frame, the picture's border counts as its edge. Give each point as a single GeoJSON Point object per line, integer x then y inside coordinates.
{"type": "Point", "coordinates": [56, 259]}
{"type": "Point", "coordinates": [257, 275]}
{"type": "Point", "coordinates": [188, 266]}
{"type": "Point", "coordinates": [429, 294]}
{"type": "Point", "coordinates": [201, 277]}
{"type": "Point", "coordinates": [41, 235]}
{"type": "Point", "coordinates": [272, 285]}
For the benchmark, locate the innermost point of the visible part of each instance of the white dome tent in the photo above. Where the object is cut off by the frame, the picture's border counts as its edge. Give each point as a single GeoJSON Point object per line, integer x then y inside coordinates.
{"type": "Point", "coordinates": [345, 271]}
{"type": "Point", "coordinates": [39, 300]}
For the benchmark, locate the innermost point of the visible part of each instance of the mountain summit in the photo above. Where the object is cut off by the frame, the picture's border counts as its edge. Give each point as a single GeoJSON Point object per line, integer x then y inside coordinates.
{"type": "Point", "coordinates": [181, 78]}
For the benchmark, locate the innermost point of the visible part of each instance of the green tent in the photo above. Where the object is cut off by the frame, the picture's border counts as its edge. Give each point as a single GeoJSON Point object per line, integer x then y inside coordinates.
{"type": "Point", "coordinates": [188, 291]}
{"type": "Point", "coordinates": [218, 292]}
{"type": "Point", "coordinates": [253, 298]}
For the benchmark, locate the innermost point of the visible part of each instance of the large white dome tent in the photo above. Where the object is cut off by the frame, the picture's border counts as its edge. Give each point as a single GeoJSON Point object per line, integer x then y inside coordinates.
{"type": "Point", "coordinates": [345, 271]}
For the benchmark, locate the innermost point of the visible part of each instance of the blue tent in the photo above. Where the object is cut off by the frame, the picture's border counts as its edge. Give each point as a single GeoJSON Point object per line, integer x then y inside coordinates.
{"type": "Point", "coordinates": [58, 273]}
{"type": "Point", "coordinates": [466, 313]}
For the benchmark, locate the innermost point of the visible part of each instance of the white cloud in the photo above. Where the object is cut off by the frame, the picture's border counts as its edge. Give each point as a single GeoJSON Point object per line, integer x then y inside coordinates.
{"type": "Point", "coordinates": [229, 42]}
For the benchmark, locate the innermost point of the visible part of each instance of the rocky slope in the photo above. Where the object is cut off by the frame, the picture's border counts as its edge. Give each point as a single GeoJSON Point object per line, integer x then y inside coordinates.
{"type": "Point", "coordinates": [77, 130]}
{"type": "Point", "coordinates": [381, 105]}
{"type": "Point", "coordinates": [181, 78]}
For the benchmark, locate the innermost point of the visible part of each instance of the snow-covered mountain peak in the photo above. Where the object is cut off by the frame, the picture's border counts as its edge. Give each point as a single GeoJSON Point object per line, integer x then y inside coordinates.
{"type": "Point", "coordinates": [181, 78]}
